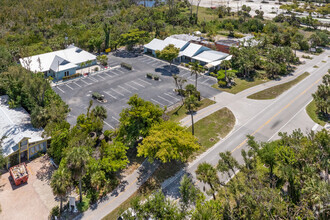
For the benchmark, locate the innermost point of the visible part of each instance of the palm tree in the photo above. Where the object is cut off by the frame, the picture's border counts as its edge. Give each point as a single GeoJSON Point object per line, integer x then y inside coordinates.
{"type": "Point", "coordinates": [227, 163]}
{"type": "Point", "coordinates": [61, 184]}
{"type": "Point", "coordinates": [196, 70]}
{"type": "Point", "coordinates": [100, 112]}
{"type": "Point", "coordinates": [179, 81]}
{"type": "Point", "coordinates": [206, 173]}
{"type": "Point", "coordinates": [191, 103]}
{"type": "Point", "coordinates": [226, 64]}
{"type": "Point", "coordinates": [77, 159]}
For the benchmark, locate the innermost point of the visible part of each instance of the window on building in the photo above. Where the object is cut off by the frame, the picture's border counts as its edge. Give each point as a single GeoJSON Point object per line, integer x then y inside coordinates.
{"type": "Point", "coordinates": [31, 150]}
{"type": "Point", "coordinates": [66, 73]}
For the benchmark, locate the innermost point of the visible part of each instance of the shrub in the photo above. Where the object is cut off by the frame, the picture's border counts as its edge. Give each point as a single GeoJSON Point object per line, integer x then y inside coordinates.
{"type": "Point", "coordinates": [213, 74]}
{"type": "Point", "coordinates": [96, 69]}
{"type": "Point", "coordinates": [156, 78]}
{"type": "Point", "coordinates": [222, 83]}
{"type": "Point", "coordinates": [55, 212]}
{"type": "Point", "coordinates": [319, 50]}
{"type": "Point", "coordinates": [108, 134]}
{"type": "Point", "coordinates": [127, 66]}
{"type": "Point", "coordinates": [71, 77]}
{"type": "Point", "coordinates": [149, 75]}
{"type": "Point", "coordinates": [238, 35]}
{"type": "Point", "coordinates": [187, 65]}
{"type": "Point", "coordinates": [83, 206]}
{"type": "Point", "coordinates": [306, 57]}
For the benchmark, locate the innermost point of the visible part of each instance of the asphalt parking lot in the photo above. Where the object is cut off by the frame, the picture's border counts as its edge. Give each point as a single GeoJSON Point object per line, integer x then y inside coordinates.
{"type": "Point", "coordinates": [118, 84]}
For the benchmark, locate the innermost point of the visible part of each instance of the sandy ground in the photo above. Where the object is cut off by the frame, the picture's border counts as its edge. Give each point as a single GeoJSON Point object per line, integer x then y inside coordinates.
{"type": "Point", "coordinates": [32, 200]}
{"type": "Point", "coordinates": [235, 5]}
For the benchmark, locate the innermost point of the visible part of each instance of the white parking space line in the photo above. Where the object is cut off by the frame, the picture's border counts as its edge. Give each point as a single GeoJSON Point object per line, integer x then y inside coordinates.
{"type": "Point", "coordinates": [205, 80]}
{"type": "Point", "coordinates": [95, 80]}
{"type": "Point", "coordinates": [172, 96]}
{"type": "Point", "coordinates": [138, 84]}
{"type": "Point", "coordinates": [108, 124]}
{"type": "Point", "coordinates": [124, 89]}
{"type": "Point", "coordinates": [113, 71]}
{"type": "Point", "coordinates": [77, 84]}
{"type": "Point", "coordinates": [117, 92]}
{"type": "Point", "coordinates": [157, 102]}
{"type": "Point", "coordinates": [165, 99]}
{"type": "Point", "coordinates": [145, 81]}
{"type": "Point", "coordinates": [108, 74]}
{"type": "Point", "coordinates": [110, 95]}
{"type": "Point", "coordinates": [69, 86]}
{"type": "Point", "coordinates": [115, 118]}
{"type": "Point", "coordinates": [185, 74]}
{"type": "Point", "coordinates": [131, 86]}
{"type": "Point", "coordinates": [60, 89]}
{"type": "Point", "coordinates": [85, 82]}
{"type": "Point", "coordinates": [119, 70]}
{"type": "Point", "coordinates": [100, 76]}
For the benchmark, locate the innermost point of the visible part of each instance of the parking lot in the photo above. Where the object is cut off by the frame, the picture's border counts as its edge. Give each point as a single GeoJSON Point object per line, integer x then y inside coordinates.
{"type": "Point", "coordinates": [118, 84]}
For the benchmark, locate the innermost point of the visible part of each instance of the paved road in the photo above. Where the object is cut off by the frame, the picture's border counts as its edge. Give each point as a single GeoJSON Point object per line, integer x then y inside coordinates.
{"type": "Point", "coordinates": [271, 118]}
{"type": "Point", "coordinates": [263, 119]}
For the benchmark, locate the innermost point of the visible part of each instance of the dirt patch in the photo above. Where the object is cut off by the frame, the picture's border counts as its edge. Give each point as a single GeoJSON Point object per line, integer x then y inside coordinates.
{"type": "Point", "coordinates": [32, 200]}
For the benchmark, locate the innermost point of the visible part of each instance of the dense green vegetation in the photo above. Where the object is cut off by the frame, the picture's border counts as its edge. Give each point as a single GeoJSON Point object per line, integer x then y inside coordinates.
{"type": "Point", "coordinates": [279, 179]}
{"type": "Point", "coordinates": [35, 94]}
{"type": "Point", "coordinates": [319, 108]}
{"type": "Point", "coordinates": [90, 159]}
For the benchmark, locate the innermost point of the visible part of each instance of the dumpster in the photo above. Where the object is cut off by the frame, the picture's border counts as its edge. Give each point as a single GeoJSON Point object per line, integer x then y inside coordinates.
{"type": "Point", "coordinates": [19, 173]}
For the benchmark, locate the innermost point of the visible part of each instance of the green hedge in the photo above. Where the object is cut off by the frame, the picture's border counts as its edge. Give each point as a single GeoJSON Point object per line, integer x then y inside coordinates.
{"type": "Point", "coordinates": [71, 77]}
{"type": "Point", "coordinates": [127, 66]}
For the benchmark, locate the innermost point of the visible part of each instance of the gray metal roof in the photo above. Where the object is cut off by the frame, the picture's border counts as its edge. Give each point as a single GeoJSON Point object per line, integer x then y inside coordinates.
{"type": "Point", "coordinates": [210, 56]}
{"type": "Point", "coordinates": [15, 124]}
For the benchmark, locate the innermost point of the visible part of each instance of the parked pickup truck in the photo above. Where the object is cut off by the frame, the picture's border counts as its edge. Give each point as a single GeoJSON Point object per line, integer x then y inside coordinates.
{"type": "Point", "coordinates": [19, 173]}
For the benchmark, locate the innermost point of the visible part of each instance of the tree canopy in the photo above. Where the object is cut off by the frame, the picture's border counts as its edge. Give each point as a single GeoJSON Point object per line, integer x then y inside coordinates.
{"type": "Point", "coordinates": [168, 141]}
{"type": "Point", "coordinates": [169, 53]}
{"type": "Point", "coordinates": [137, 119]}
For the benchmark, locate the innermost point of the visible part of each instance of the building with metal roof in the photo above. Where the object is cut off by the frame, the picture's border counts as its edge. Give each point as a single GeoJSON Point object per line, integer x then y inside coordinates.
{"type": "Point", "coordinates": [20, 140]}
{"type": "Point", "coordinates": [157, 44]}
{"type": "Point", "coordinates": [189, 52]}
{"type": "Point", "coordinates": [59, 63]}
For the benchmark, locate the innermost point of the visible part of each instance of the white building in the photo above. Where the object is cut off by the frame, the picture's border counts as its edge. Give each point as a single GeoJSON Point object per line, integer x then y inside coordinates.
{"type": "Point", "coordinates": [59, 63]}
{"type": "Point", "coordinates": [189, 52]}
{"type": "Point", "coordinates": [21, 140]}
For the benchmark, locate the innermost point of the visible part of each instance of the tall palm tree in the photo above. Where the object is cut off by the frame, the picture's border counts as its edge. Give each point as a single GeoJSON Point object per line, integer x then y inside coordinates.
{"type": "Point", "coordinates": [179, 81]}
{"type": "Point", "coordinates": [191, 103]}
{"type": "Point", "coordinates": [196, 70]}
{"type": "Point", "coordinates": [206, 173]}
{"type": "Point", "coordinates": [226, 64]}
{"type": "Point", "coordinates": [78, 158]}
{"type": "Point", "coordinates": [61, 184]}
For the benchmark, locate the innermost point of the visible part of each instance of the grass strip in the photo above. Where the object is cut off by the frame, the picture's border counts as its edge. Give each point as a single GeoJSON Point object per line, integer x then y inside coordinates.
{"type": "Point", "coordinates": [275, 91]}
{"type": "Point", "coordinates": [241, 84]}
{"type": "Point", "coordinates": [312, 112]}
{"type": "Point", "coordinates": [210, 129]}
{"type": "Point", "coordinates": [180, 112]}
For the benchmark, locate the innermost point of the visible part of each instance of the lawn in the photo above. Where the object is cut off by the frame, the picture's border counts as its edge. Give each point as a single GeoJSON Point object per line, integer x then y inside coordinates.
{"type": "Point", "coordinates": [311, 111]}
{"type": "Point", "coordinates": [180, 112]}
{"type": "Point", "coordinates": [275, 91]}
{"type": "Point", "coordinates": [163, 172]}
{"type": "Point", "coordinates": [210, 129]}
{"type": "Point", "coordinates": [241, 84]}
